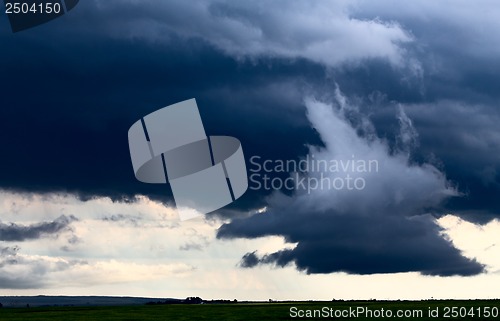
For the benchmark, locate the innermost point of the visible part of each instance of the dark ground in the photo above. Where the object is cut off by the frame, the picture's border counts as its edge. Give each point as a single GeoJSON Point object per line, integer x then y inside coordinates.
{"type": "Point", "coordinates": [446, 310]}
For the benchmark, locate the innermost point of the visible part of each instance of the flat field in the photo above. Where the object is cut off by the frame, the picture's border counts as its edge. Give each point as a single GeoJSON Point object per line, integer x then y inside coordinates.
{"type": "Point", "coordinates": [333, 310]}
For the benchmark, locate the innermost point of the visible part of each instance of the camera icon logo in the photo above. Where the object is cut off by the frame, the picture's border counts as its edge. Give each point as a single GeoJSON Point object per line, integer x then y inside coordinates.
{"type": "Point", "coordinates": [170, 145]}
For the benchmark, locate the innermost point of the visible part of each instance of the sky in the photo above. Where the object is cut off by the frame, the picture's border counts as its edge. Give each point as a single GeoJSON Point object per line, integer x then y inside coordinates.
{"type": "Point", "coordinates": [413, 89]}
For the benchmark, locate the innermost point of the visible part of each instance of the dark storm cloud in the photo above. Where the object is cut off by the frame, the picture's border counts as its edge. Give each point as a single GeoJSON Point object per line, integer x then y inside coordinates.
{"type": "Point", "coordinates": [71, 89]}
{"type": "Point", "coordinates": [250, 260]}
{"type": "Point", "coordinates": [321, 32]}
{"type": "Point", "coordinates": [453, 102]}
{"type": "Point", "coordinates": [70, 132]}
{"type": "Point", "coordinates": [459, 137]}
{"type": "Point", "coordinates": [382, 228]}
{"type": "Point", "coordinates": [73, 137]}
{"type": "Point", "coordinates": [467, 143]}
{"type": "Point", "coordinates": [455, 46]}
{"type": "Point", "coordinates": [367, 245]}
{"type": "Point", "coordinates": [88, 85]}
{"type": "Point", "coordinates": [14, 232]}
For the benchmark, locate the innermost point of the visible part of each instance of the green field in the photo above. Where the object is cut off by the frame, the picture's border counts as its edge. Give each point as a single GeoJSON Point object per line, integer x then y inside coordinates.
{"type": "Point", "coordinates": [447, 310]}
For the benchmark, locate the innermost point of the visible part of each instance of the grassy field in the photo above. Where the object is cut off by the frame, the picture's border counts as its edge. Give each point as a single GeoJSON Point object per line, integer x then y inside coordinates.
{"type": "Point", "coordinates": [446, 310]}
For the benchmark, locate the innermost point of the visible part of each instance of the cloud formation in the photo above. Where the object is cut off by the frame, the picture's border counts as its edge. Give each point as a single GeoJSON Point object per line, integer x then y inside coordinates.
{"type": "Point", "coordinates": [382, 228]}
{"type": "Point", "coordinates": [14, 232]}
{"type": "Point", "coordinates": [19, 271]}
{"type": "Point", "coordinates": [255, 62]}
{"type": "Point", "coordinates": [466, 143]}
{"type": "Point", "coordinates": [24, 271]}
{"type": "Point", "coordinates": [322, 32]}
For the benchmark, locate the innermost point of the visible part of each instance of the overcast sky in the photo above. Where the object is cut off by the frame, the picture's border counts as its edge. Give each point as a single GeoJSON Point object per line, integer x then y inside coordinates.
{"type": "Point", "coordinates": [414, 87]}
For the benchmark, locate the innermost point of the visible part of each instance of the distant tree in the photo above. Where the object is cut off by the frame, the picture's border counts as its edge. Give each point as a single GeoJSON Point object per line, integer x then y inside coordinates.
{"type": "Point", "coordinates": [193, 300]}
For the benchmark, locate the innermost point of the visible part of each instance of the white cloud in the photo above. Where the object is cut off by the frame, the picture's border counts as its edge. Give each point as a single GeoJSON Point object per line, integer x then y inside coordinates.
{"type": "Point", "coordinates": [461, 26]}
{"type": "Point", "coordinates": [121, 259]}
{"type": "Point", "coordinates": [141, 244]}
{"type": "Point", "coordinates": [323, 32]}
{"type": "Point", "coordinates": [394, 185]}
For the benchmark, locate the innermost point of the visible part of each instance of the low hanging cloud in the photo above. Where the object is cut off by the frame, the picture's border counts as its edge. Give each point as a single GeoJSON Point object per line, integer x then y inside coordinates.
{"type": "Point", "coordinates": [383, 227]}
{"type": "Point", "coordinates": [14, 232]}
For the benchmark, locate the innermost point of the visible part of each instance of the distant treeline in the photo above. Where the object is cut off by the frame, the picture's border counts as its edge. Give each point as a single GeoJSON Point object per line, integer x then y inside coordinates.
{"type": "Point", "coordinates": [191, 300]}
